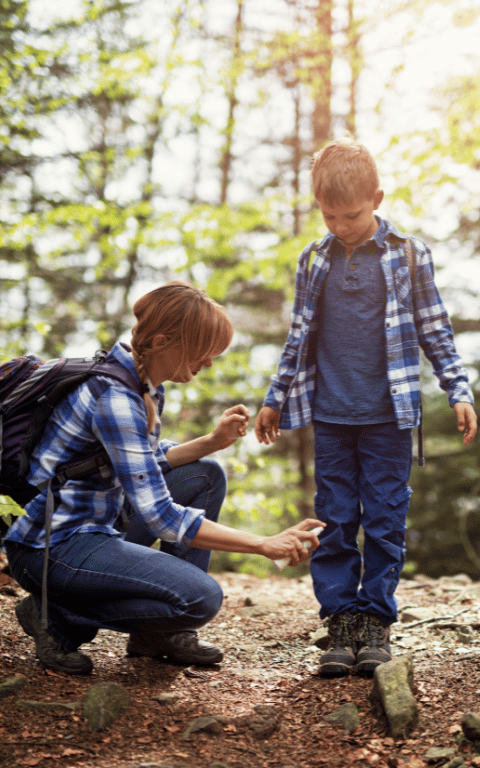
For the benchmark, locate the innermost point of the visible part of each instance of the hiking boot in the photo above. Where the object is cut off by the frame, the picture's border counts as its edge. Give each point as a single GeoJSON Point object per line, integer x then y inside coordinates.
{"type": "Point", "coordinates": [182, 647]}
{"type": "Point", "coordinates": [373, 643]}
{"type": "Point", "coordinates": [339, 659]}
{"type": "Point", "coordinates": [51, 654]}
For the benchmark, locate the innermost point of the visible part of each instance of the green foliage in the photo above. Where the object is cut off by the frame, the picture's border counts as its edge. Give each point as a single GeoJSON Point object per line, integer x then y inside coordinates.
{"type": "Point", "coordinates": [96, 103]}
{"type": "Point", "coordinates": [9, 509]}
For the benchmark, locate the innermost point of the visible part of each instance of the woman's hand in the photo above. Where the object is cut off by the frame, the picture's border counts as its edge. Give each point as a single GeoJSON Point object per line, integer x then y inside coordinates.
{"type": "Point", "coordinates": [287, 544]}
{"type": "Point", "coordinates": [233, 424]}
{"type": "Point", "coordinates": [291, 544]}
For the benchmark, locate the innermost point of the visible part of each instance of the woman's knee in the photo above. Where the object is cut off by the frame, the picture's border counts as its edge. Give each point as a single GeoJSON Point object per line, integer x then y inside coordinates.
{"type": "Point", "coordinates": [215, 472]}
{"type": "Point", "coordinates": [207, 604]}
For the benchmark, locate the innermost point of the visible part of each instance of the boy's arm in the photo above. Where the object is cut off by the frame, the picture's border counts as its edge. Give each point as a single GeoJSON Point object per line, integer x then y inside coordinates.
{"type": "Point", "coordinates": [435, 335]}
{"type": "Point", "coordinates": [287, 366]}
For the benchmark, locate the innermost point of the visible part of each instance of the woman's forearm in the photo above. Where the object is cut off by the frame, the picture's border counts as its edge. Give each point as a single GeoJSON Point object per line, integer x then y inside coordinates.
{"type": "Point", "coordinates": [293, 543]}
{"type": "Point", "coordinates": [196, 449]}
{"type": "Point", "coordinates": [224, 539]}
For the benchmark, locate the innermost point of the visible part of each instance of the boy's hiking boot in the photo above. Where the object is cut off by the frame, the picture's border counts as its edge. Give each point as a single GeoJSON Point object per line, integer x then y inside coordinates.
{"type": "Point", "coordinates": [373, 643]}
{"type": "Point", "coordinates": [339, 659]}
{"type": "Point", "coordinates": [51, 654]}
{"type": "Point", "coordinates": [182, 647]}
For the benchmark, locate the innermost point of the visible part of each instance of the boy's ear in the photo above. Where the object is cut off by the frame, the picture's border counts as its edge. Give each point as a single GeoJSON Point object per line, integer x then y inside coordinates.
{"type": "Point", "coordinates": [378, 197]}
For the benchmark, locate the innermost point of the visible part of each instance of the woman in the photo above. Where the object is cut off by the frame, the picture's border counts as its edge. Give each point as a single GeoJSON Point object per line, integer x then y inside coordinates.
{"type": "Point", "coordinates": [101, 577]}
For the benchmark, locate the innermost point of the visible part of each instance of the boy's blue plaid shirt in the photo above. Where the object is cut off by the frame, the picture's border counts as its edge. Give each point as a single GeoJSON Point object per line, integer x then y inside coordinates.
{"type": "Point", "coordinates": [411, 319]}
{"type": "Point", "coordinates": [106, 412]}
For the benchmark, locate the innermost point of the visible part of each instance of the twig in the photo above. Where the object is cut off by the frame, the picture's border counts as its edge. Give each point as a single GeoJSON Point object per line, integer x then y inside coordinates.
{"type": "Point", "coordinates": [433, 619]}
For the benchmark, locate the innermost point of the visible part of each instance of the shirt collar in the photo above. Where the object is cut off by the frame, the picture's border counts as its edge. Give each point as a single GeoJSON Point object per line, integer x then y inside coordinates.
{"type": "Point", "coordinates": [385, 228]}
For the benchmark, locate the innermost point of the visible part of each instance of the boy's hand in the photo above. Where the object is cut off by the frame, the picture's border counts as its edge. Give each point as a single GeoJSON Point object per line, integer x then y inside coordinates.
{"type": "Point", "coordinates": [266, 425]}
{"type": "Point", "coordinates": [466, 421]}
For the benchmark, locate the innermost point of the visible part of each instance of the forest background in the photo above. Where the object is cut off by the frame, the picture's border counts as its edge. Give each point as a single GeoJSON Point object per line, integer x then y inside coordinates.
{"type": "Point", "coordinates": [144, 141]}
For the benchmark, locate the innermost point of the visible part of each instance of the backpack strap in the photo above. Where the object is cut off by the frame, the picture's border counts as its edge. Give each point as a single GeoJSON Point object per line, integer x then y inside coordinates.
{"type": "Point", "coordinates": [411, 257]}
{"type": "Point", "coordinates": [312, 249]}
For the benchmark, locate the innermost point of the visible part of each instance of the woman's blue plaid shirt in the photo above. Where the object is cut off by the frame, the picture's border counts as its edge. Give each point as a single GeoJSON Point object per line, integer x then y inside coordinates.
{"type": "Point", "coordinates": [415, 316]}
{"type": "Point", "coordinates": [106, 412]}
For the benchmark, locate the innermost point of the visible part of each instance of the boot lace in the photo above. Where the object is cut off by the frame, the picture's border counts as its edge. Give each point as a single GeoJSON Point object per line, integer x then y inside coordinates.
{"type": "Point", "coordinates": [372, 632]}
{"type": "Point", "coordinates": [342, 630]}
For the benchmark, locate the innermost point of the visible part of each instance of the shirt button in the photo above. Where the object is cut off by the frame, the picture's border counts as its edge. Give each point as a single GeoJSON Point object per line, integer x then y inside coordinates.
{"type": "Point", "coordinates": [394, 391]}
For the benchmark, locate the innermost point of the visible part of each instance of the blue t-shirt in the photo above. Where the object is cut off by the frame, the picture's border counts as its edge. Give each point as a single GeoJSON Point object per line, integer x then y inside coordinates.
{"type": "Point", "coordinates": [352, 384]}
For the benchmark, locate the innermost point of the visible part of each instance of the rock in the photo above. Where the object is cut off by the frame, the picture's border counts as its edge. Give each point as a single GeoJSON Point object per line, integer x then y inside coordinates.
{"type": "Point", "coordinates": [471, 726]}
{"type": "Point", "coordinates": [166, 698]}
{"type": "Point", "coordinates": [439, 753]}
{"type": "Point", "coordinates": [320, 638]}
{"type": "Point", "coordinates": [103, 703]}
{"type": "Point", "coordinates": [457, 762]}
{"type": "Point", "coordinates": [392, 690]}
{"type": "Point", "coordinates": [347, 715]}
{"type": "Point", "coordinates": [13, 685]}
{"type": "Point", "coordinates": [47, 704]}
{"type": "Point", "coordinates": [264, 722]}
{"type": "Point", "coordinates": [411, 614]}
{"type": "Point", "coordinates": [204, 724]}
{"type": "Point", "coordinates": [153, 765]}
{"type": "Point", "coordinates": [465, 634]}
{"type": "Point", "coordinates": [159, 765]}
{"type": "Point", "coordinates": [262, 607]}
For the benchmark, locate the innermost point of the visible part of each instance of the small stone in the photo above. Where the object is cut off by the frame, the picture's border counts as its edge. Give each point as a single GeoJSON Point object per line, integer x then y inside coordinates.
{"type": "Point", "coordinates": [457, 762]}
{"type": "Point", "coordinates": [320, 638]}
{"type": "Point", "coordinates": [465, 634]}
{"type": "Point", "coordinates": [12, 685]}
{"type": "Point", "coordinates": [205, 724]}
{"type": "Point", "coordinates": [166, 698]}
{"type": "Point", "coordinates": [346, 715]}
{"type": "Point", "coordinates": [103, 703]}
{"type": "Point", "coordinates": [439, 753]}
{"type": "Point", "coordinates": [25, 703]}
{"type": "Point", "coordinates": [471, 726]}
{"type": "Point", "coordinates": [264, 722]}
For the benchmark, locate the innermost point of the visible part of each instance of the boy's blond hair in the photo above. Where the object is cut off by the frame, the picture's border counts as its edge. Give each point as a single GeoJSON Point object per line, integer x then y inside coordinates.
{"type": "Point", "coordinates": [344, 172]}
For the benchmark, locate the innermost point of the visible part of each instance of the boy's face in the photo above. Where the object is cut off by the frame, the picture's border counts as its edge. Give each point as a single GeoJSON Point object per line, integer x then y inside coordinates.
{"type": "Point", "coordinates": [353, 224]}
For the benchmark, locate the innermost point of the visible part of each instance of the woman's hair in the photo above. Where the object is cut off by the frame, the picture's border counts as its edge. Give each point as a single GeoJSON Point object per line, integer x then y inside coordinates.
{"type": "Point", "coordinates": [344, 172]}
{"type": "Point", "coordinates": [185, 316]}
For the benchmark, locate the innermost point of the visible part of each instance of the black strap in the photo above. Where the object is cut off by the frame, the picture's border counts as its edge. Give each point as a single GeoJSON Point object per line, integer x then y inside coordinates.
{"type": "Point", "coordinates": [411, 257]}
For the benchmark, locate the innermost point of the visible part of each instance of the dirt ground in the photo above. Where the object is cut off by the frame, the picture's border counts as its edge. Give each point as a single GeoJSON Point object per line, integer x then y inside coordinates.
{"type": "Point", "coordinates": [266, 694]}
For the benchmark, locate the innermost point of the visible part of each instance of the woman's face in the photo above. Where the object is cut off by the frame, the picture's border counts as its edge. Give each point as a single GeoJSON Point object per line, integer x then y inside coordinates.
{"type": "Point", "coordinates": [171, 363]}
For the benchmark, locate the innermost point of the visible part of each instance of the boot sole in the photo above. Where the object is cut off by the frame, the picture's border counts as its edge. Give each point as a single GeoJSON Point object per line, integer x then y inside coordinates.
{"type": "Point", "coordinates": [334, 670]}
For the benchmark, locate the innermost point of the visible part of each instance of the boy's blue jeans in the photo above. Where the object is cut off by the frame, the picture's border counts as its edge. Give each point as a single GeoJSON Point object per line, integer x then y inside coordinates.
{"type": "Point", "coordinates": [361, 474]}
{"type": "Point", "coordinates": [97, 581]}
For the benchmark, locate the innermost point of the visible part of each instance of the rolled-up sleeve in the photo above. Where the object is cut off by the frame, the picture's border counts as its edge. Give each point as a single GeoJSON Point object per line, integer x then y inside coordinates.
{"type": "Point", "coordinates": [119, 423]}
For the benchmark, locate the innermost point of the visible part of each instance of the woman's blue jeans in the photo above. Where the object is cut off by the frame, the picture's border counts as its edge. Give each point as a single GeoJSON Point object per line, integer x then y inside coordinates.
{"type": "Point", "coordinates": [361, 474]}
{"type": "Point", "coordinates": [97, 581]}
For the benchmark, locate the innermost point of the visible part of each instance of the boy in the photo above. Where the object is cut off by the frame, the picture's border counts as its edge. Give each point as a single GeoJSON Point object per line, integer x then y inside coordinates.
{"type": "Point", "coordinates": [351, 366]}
